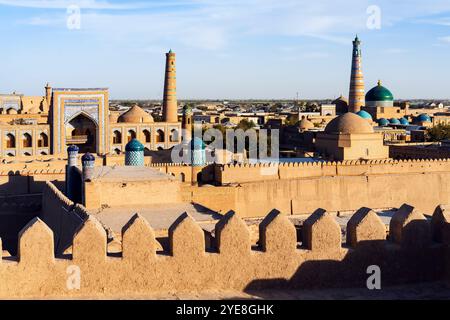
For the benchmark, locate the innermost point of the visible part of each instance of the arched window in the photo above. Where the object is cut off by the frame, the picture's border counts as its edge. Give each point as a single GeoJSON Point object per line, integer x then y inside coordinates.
{"type": "Point", "coordinates": [174, 136]}
{"type": "Point", "coordinates": [182, 177]}
{"type": "Point", "coordinates": [12, 111]}
{"type": "Point", "coordinates": [27, 154]}
{"type": "Point", "coordinates": [160, 137]}
{"type": "Point", "coordinates": [147, 136]}
{"type": "Point", "coordinates": [10, 141]}
{"type": "Point", "coordinates": [117, 137]}
{"type": "Point", "coordinates": [27, 141]}
{"type": "Point", "coordinates": [131, 135]}
{"type": "Point", "coordinates": [117, 151]}
{"type": "Point", "coordinates": [43, 141]}
{"type": "Point", "coordinates": [43, 153]}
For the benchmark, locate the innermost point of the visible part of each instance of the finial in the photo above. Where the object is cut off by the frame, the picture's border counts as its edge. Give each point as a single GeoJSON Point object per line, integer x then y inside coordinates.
{"type": "Point", "coordinates": [379, 83]}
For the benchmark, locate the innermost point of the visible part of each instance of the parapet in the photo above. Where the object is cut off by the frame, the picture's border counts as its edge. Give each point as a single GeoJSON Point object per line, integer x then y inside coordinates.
{"type": "Point", "coordinates": [315, 257]}
{"type": "Point", "coordinates": [246, 173]}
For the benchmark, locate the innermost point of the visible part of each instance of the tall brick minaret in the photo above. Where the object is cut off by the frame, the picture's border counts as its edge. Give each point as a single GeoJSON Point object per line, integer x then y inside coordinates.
{"type": "Point", "coordinates": [357, 92]}
{"type": "Point", "coordinates": [170, 104]}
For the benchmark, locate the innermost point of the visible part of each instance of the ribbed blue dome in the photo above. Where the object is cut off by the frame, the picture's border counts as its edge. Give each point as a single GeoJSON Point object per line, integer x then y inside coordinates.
{"type": "Point", "coordinates": [383, 122]}
{"type": "Point", "coordinates": [423, 118]}
{"type": "Point", "coordinates": [404, 121]}
{"type": "Point", "coordinates": [88, 157]}
{"type": "Point", "coordinates": [364, 114]}
{"type": "Point", "coordinates": [197, 144]}
{"type": "Point", "coordinates": [73, 148]}
{"type": "Point", "coordinates": [134, 145]}
{"type": "Point", "coordinates": [394, 121]}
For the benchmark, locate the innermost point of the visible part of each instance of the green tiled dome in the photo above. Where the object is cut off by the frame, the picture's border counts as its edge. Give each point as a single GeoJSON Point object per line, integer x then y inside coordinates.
{"type": "Point", "coordinates": [379, 93]}
{"type": "Point", "coordinates": [134, 145]}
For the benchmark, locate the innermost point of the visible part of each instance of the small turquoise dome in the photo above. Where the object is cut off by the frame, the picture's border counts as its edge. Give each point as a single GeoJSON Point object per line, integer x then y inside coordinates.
{"type": "Point", "coordinates": [73, 148]}
{"type": "Point", "coordinates": [364, 114]}
{"type": "Point", "coordinates": [134, 145]}
{"type": "Point", "coordinates": [383, 122]}
{"type": "Point", "coordinates": [394, 121]}
{"type": "Point", "coordinates": [404, 121]}
{"type": "Point", "coordinates": [379, 93]}
{"type": "Point", "coordinates": [198, 144]}
{"type": "Point", "coordinates": [423, 118]}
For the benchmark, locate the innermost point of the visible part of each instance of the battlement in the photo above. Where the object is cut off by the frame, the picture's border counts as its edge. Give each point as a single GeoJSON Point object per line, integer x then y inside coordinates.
{"type": "Point", "coordinates": [242, 173]}
{"type": "Point", "coordinates": [414, 251]}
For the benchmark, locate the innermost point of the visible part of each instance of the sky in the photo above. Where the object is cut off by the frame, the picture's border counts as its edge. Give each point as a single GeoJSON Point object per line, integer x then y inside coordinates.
{"type": "Point", "coordinates": [226, 49]}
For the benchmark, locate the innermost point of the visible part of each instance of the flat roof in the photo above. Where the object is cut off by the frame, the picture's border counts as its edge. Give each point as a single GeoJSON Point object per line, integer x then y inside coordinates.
{"type": "Point", "coordinates": [129, 173]}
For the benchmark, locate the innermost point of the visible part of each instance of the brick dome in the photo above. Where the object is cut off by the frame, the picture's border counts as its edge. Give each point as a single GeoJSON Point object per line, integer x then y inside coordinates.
{"type": "Point", "coordinates": [349, 123]}
{"type": "Point", "coordinates": [136, 115]}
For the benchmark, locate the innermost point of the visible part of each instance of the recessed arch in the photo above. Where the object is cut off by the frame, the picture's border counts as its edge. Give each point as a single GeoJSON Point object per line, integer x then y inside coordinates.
{"type": "Point", "coordinates": [27, 140]}
{"type": "Point", "coordinates": [10, 141]}
{"type": "Point", "coordinates": [81, 130]}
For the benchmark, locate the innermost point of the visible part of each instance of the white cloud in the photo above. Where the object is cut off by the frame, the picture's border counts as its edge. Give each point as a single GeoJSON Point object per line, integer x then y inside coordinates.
{"type": "Point", "coordinates": [216, 24]}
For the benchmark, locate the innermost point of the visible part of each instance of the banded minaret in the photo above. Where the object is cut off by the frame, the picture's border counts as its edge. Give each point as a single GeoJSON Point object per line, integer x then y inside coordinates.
{"type": "Point", "coordinates": [357, 92]}
{"type": "Point", "coordinates": [170, 104]}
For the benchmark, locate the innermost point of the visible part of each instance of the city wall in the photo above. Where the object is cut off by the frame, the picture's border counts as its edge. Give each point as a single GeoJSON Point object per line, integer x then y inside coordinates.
{"type": "Point", "coordinates": [315, 258]}
{"type": "Point", "coordinates": [62, 216]}
{"type": "Point", "coordinates": [337, 186]}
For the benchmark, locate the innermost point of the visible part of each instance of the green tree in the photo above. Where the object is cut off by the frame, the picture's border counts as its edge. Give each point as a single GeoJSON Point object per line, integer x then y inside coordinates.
{"type": "Point", "coordinates": [438, 133]}
{"type": "Point", "coordinates": [246, 125]}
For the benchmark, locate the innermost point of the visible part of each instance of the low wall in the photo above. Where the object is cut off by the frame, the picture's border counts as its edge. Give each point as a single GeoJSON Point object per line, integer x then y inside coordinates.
{"type": "Point", "coordinates": [233, 174]}
{"type": "Point", "coordinates": [414, 252]}
{"type": "Point", "coordinates": [62, 216]}
{"type": "Point", "coordinates": [337, 186]}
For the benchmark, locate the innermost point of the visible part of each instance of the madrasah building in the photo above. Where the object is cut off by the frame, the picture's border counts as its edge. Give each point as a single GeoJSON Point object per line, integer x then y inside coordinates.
{"type": "Point", "coordinates": [34, 127]}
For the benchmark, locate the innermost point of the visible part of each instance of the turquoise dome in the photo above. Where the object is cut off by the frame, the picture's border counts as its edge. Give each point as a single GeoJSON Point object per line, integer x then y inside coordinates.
{"type": "Point", "coordinates": [134, 145]}
{"type": "Point", "coordinates": [404, 121]}
{"type": "Point", "coordinates": [379, 93]}
{"type": "Point", "coordinates": [364, 114]}
{"type": "Point", "coordinates": [423, 118]}
{"type": "Point", "coordinates": [383, 122]}
{"type": "Point", "coordinates": [395, 121]}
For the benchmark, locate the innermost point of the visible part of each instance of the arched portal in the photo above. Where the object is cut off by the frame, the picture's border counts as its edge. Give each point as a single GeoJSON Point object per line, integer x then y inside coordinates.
{"type": "Point", "coordinates": [82, 131]}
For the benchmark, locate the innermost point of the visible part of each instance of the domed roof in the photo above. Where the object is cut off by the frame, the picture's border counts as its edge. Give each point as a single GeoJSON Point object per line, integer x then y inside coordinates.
{"type": "Point", "coordinates": [404, 121]}
{"type": "Point", "coordinates": [379, 93]}
{"type": "Point", "coordinates": [364, 114]}
{"type": "Point", "coordinates": [423, 118]}
{"type": "Point", "coordinates": [349, 123]}
{"type": "Point", "coordinates": [88, 157]}
{"type": "Point", "coordinates": [136, 115]}
{"type": "Point", "coordinates": [73, 148]}
{"type": "Point", "coordinates": [134, 145]}
{"type": "Point", "coordinates": [394, 121]}
{"type": "Point", "coordinates": [383, 122]}
{"type": "Point", "coordinates": [305, 124]}
{"type": "Point", "coordinates": [340, 99]}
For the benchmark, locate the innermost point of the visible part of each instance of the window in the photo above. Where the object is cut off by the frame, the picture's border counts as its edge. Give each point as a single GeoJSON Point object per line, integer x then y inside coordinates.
{"type": "Point", "coordinates": [160, 137]}
{"type": "Point", "coordinates": [147, 136]}
{"type": "Point", "coordinates": [174, 136]}
{"type": "Point", "coordinates": [131, 135]}
{"type": "Point", "coordinates": [27, 141]}
{"type": "Point", "coordinates": [10, 141]}
{"type": "Point", "coordinates": [43, 141]}
{"type": "Point", "coordinates": [117, 137]}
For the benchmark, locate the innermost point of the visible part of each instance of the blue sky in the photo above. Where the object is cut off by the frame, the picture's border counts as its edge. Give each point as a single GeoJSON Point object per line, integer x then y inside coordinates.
{"type": "Point", "coordinates": [225, 48]}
